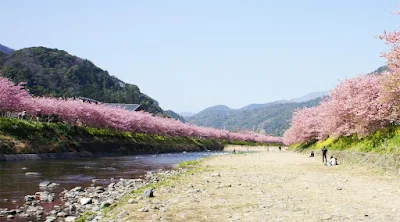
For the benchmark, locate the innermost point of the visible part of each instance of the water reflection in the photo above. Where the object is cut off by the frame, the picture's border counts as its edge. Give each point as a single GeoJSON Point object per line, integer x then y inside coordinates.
{"type": "Point", "coordinates": [69, 173]}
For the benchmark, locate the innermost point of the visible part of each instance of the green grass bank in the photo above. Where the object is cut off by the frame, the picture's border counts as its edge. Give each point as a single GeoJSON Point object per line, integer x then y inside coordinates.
{"type": "Point", "coordinates": [379, 151]}
{"type": "Point", "coordinates": [29, 137]}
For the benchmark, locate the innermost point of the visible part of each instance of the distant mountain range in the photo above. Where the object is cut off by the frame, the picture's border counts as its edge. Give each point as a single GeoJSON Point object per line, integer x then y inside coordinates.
{"type": "Point", "coordinates": [53, 72]}
{"type": "Point", "coordinates": [272, 118]}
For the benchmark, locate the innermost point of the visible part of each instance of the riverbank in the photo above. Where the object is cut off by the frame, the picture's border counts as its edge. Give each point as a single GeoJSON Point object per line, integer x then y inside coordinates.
{"type": "Point", "coordinates": [269, 185]}
{"type": "Point", "coordinates": [58, 140]}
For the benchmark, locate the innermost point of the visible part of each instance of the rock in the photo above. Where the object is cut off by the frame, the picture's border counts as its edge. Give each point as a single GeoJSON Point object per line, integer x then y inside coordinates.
{"type": "Point", "coordinates": [11, 212]}
{"type": "Point", "coordinates": [148, 193]}
{"type": "Point", "coordinates": [77, 189]}
{"type": "Point", "coordinates": [70, 219]}
{"type": "Point", "coordinates": [131, 201]}
{"type": "Point", "coordinates": [105, 204]}
{"type": "Point", "coordinates": [44, 184]}
{"type": "Point", "coordinates": [29, 198]}
{"type": "Point", "coordinates": [52, 185]}
{"type": "Point", "coordinates": [10, 217]}
{"type": "Point", "coordinates": [339, 188]}
{"type": "Point", "coordinates": [61, 214]}
{"type": "Point", "coordinates": [144, 209]}
{"type": "Point", "coordinates": [123, 214]}
{"type": "Point", "coordinates": [39, 212]}
{"type": "Point", "coordinates": [24, 168]}
{"type": "Point", "coordinates": [85, 200]}
{"type": "Point", "coordinates": [99, 189]}
{"type": "Point", "coordinates": [95, 209]}
{"type": "Point", "coordinates": [46, 196]}
{"type": "Point", "coordinates": [72, 209]}
{"type": "Point", "coordinates": [98, 218]}
{"type": "Point", "coordinates": [23, 215]}
{"type": "Point", "coordinates": [50, 218]}
{"type": "Point", "coordinates": [32, 174]}
{"type": "Point", "coordinates": [111, 185]}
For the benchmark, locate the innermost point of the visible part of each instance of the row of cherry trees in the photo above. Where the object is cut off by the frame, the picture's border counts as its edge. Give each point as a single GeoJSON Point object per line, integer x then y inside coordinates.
{"type": "Point", "coordinates": [15, 99]}
{"type": "Point", "coordinates": [360, 105]}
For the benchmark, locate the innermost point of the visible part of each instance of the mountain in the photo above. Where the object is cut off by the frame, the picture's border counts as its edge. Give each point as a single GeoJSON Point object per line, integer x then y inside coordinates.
{"type": "Point", "coordinates": [175, 115]}
{"type": "Point", "coordinates": [4, 49]}
{"type": "Point", "coordinates": [53, 72]}
{"type": "Point", "coordinates": [272, 118]}
{"type": "Point", "coordinates": [309, 97]}
{"type": "Point", "coordinates": [187, 114]}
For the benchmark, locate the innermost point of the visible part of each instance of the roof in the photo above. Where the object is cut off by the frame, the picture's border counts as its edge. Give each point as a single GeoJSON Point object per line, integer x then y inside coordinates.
{"type": "Point", "coordinates": [131, 107]}
{"type": "Point", "coordinates": [87, 99]}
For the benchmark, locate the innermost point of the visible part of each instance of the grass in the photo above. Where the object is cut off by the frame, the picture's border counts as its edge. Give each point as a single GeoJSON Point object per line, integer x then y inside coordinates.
{"type": "Point", "coordinates": [371, 143]}
{"type": "Point", "coordinates": [22, 136]}
{"type": "Point", "coordinates": [84, 216]}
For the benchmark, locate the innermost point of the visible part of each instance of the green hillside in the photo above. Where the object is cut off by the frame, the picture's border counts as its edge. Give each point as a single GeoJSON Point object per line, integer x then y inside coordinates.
{"type": "Point", "coordinates": [53, 72]}
{"type": "Point", "coordinates": [274, 118]}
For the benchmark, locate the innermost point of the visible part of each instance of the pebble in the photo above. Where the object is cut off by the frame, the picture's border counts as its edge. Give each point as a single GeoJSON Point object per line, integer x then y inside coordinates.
{"type": "Point", "coordinates": [131, 201]}
{"type": "Point", "coordinates": [123, 213]}
{"type": "Point", "coordinates": [70, 219]}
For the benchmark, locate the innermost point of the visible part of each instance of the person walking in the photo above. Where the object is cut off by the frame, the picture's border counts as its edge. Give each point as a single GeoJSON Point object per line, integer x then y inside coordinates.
{"type": "Point", "coordinates": [324, 151]}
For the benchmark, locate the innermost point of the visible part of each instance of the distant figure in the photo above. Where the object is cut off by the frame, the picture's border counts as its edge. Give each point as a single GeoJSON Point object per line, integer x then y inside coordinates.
{"type": "Point", "coordinates": [324, 151]}
{"type": "Point", "coordinates": [280, 149]}
{"type": "Point", "coordinates": [312, 154]}
{"type": "Point", "coordinates": [234, 150]}
{"type": "Point", "coordinates": [22, 115]}
{"type": "Point", "coordinates": [333, 161]}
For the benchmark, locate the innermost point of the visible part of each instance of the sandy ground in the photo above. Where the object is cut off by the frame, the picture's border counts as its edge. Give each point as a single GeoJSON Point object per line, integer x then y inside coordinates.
{"type": "Point", "coordinates": [272, 186]}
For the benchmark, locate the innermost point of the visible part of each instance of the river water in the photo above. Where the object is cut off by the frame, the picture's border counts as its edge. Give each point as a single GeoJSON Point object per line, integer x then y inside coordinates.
{"type": "Point", "coordinates": [69, 173]}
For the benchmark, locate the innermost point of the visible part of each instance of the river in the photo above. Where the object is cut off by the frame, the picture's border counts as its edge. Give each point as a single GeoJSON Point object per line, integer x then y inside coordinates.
{"type": "Point", "coordinates": [70, 173]}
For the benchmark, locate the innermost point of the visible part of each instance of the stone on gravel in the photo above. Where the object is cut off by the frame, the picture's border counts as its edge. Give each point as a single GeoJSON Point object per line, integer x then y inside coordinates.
{"type": "Point", "coordinates": [9, 217]}
{"type": "Point", "coordinates": [52, 185]}
{"type": "Point", "coordinates": [77, 189]}
{"type": "Point", "coordinates": [61, 214]}
{"type": "Point", "coordinates": [131, 201]}
{"type": "Point", "coordinates": [106, 203]}
{"type": "Point", "coordinates": [44, 183]}
{"type": "Point", "coordinates": [70, 219]}
{"type": "Point", "coordinates": [50, 218]}
{"type": "Point", "coordinates": [29, 198]}
{"type": "Point", "coordinates": [123, 214]}
{"type": "Point", "coordinates": [144, 209]}
{"type": "Point", "coordinates": [85, 200]}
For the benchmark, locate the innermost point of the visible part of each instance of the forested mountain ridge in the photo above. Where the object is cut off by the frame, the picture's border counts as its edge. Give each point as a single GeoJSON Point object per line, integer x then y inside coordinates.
{"type": "Point", "coordinates": [53, 72]}
{"type": "Point", "coordinates": [4, 49]}
{"type": "Point", "coordinates": [272, 118]}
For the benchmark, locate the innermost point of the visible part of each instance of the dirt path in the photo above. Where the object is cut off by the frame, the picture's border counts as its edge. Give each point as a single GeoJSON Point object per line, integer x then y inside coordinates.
{"type": "Point", "coordinates": [272, 186]}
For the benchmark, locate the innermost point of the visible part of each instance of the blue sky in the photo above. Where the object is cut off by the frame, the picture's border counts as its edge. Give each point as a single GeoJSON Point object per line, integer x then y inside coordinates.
{"type": "Point", "coordinates": [190, 55]}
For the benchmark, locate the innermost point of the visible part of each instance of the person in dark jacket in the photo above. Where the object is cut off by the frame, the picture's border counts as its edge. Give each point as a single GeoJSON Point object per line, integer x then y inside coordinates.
{"type": "Point", "coordinates": [324, 151]}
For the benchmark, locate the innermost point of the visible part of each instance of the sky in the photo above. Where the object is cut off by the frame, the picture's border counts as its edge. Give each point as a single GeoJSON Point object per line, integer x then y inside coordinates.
{"type": "Point", "coordinates": [190, 55]}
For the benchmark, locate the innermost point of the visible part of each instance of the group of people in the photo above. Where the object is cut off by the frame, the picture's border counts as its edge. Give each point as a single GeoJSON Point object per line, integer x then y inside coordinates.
{"type": "Point", "coordinates": [332, 162]}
